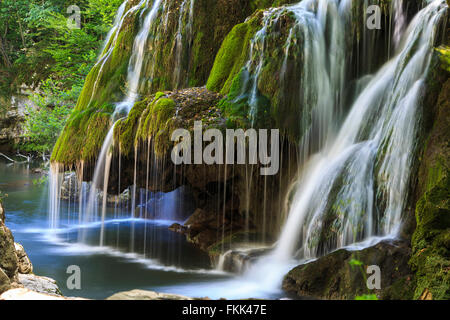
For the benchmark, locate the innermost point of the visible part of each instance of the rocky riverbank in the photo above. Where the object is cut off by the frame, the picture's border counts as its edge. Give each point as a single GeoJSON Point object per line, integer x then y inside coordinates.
{"type": "Point", "coordinates": [16, 269]}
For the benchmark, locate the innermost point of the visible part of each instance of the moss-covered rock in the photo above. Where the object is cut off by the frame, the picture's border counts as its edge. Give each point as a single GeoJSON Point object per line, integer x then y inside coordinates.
{"type": "Point", "coordinates": [180, 52]}
{"type": "Point", "coordinates": [8, 257]}
{"type": "Point", "coordinates": [342, 274]}
{"type": "Point", "coordinates": [431, 240]}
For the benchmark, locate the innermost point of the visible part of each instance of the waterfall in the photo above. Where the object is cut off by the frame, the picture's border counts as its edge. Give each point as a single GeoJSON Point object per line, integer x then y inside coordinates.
{"type": "Point", "coordinates": [137, 59]}
{"type": "Point", "coordinates": [111, 40]}
{"type": "Point", "coordinates": [322, 74]}
{"type": "Point", "coordinates": [116, 26]}
{"type": "Point", "coordinates": [399, 21]}
{"type": "Point", "coordinates": [55, 182]}
{"type": "Point", "coordinates": [370, 159]}
{"type": "Point", "coordinates": [103, 164]}
{"type": "Point", "coordinates": [355, 188]}
{"type": "Point", "coordinates": [181, 37]}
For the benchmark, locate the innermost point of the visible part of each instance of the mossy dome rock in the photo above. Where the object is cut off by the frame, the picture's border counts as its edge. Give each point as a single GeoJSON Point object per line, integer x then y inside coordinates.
{"type": "Point", "coordinates": [180, 48]}
{"type": "Point", "coordinates": [180, 51]}
{"type": "Point", "coordinates": [259, 61]}
{"type": "Point", "coordinates": [156, 117]}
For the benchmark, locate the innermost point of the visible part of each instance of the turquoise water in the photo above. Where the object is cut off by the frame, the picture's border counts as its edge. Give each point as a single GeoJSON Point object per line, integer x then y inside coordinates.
{"type": "Point", "coordinates": [163, 262]}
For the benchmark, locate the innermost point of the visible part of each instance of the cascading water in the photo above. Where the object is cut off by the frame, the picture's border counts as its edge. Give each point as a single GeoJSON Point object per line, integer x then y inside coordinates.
{"type": "Point", "coordinates": [399, 21]}
{"type": "Point", "coordinates": [111, 41]}
{"type": "Point", "coordinates": [103, 165]}
{"type": "Point", "coordinates": [186, 9]}
{"type": "Point", "coordinates": [55, 182]}
{"type": "Point", "coordinates": [355, 185]}
{"type": "Point", "coordinates": [359, 179]}
{"type": "Point", "coordinates": [137, 60]}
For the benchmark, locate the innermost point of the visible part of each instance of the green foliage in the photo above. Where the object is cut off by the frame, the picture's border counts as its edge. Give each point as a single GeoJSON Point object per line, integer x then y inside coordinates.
{"type": "Point", "coordinates": [44, 123]}
{"type": "Point", "coordinates": [41, 181]}
{"type": "Point", "coordinates": [2, 196]}
{"type": "Point", "coordinates": [39, 49]}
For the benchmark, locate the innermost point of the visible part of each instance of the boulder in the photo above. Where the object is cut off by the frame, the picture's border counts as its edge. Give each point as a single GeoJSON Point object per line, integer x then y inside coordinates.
{"type": "Point", "coordinates": [5, 283]}
{"type": "Point", "coordinates": [8, 256]}
{"type": "Point", "coordinates": [145, 295]}
{"type": "Point", "coordinates": [27, 294]}
{"type": "Point", "coordinates": [342, 274]}
{"type": "Point", "coordinates": [39, 284]}
{"type": "Point", "coordinates": [24, 262]}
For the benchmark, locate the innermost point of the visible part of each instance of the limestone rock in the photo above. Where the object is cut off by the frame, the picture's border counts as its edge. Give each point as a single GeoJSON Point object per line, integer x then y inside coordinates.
{"type": "Point", "coordinates": [8, 257]}
{"type": "Point", "coordinates": [39, 284]}
{"type": "Point", "coordinates": [27, 294]}
{"type": "Point", "coordinates": [5, 283]}
{"type": "Point", "coordinates": [145, 295]}
{"type": "Point", "coordinates": [24, 262]}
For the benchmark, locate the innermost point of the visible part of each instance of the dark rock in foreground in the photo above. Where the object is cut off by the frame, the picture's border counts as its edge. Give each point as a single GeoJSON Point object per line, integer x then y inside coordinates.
{"type": "Point", "coordinates": [338, 275]}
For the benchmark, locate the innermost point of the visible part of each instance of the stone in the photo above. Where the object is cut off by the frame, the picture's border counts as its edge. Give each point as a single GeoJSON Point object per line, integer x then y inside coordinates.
{"type": "Point", "coordinates": [334, 277]}
{"type": "Point", "coordinates": [27, 294]}
{"type": "Point", "coordinates": [5, 283]}
{"type": "Point", "coordinates": [8, 257]}
{"type": "Point", "coordinates": [25, 265]}
{"type": "Point", "coordinates": [39, 284]}
{"type": "Point", "coordinates": [146, 295]}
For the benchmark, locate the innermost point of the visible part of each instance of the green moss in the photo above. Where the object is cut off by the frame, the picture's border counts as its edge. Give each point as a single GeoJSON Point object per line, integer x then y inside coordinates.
{"type": "Point", "coordinates": [431, 240]}
{"type": "Point", "coordinates": [125, 129]}
{"type": "Point", "coordinates": [83, 135]}
{"type": "Point", "coordinates": [155, 122]}
{"type": "Point", "coordinates": [233, 54]}
{"type": "Point", "coordinates": [445, 57]}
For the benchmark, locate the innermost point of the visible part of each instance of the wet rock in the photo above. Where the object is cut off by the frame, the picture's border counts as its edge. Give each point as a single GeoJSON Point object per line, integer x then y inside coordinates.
{"type": "Point", "coordinates": [24, 262]}
{"type": "Point", "coordinates": [176, 227]}
{"type": "Point", "coordinates": [146, 295]}
{"type": "Point", "coordinates": [69, 187]}
{"type": "Point", "coordinates": [39, 284]}
{"type": "Point", "coordinates": [239, 260]}
{"type": "Point", "coordinates": [338, 275]}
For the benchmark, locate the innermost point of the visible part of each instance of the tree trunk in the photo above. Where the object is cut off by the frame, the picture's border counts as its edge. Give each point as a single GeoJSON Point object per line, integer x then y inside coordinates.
{"type": "Point", "coordinates": [4, 54]}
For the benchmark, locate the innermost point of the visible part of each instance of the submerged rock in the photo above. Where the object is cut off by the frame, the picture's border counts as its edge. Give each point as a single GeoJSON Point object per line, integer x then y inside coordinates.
{"type": "Point", "coordinates": [342, 274]}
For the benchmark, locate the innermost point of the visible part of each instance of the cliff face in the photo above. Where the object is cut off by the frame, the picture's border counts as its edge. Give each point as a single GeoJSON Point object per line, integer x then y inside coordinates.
{"type": "Point", "coordinates": [12, 117]}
